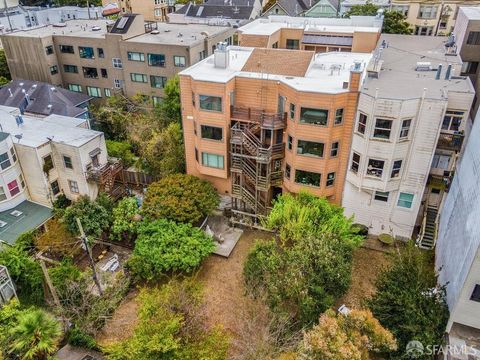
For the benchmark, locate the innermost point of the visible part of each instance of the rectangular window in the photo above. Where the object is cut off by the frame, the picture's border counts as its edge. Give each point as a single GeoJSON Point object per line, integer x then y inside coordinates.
{"type": "Point", "coordinates": [22, 181]}
{"type": "Point", "coordinates": [73, 185]}
{"type": "Point", "coordinates": [86, 52]}
{"type": "Point", "coordinates": [314, 116]}
{"type": "Point", "coordinates": [135, 56]}
{"type": "Point", "coordinates": [427, 12]}
{"type": "Point", "coordinates": [14, 155]}
{"type": "Point", "coordinates": [382, 130]}
{"type": "Point", "coordinates": [49, 49]}
{"type": "Point", "coordinates": [307, 178]}
{"type": "Point", "coordinates": [305, 147]}
{"type": "Point", "coordinates": [141, 78]}
{"type": "Point", "coordinates": [334, 149]}
{"type": "Point", "coordinates": [75, 87]}
{"type": "Point", "coordinates": [158, 82]}
{"type": "Point", "coordinates": [293, 44]}
{"type": "Point", "coordinates": [156, 60]}
{"type": "Point", "coordinates": [441, 161]}
{"type": "Point", "coordinates": [100, 53]}
{"type": "Point", "coordinates": [375, 167]}
{"type": "Point", "coordinates": [70, 69]}
{"type": "Point", "coordinates": [355, 163]}
{"type": "Point", "coordinates": [2, 194]}
{"type": "Point", "coordinates": [4, 161]}
{"type": "Point", "coordinates": [288, 171]}
{"type": "Point", "coordinates": [396, 167]}
{"type": "Point", "coordinates": [212, 160]}
{"type": "Point", "coordinates": [13, 188]}
{"type": "Point", "coordinates": [202, 54]}
{"type": "Point", "coordinates": [362, 123]}
{"type": "Point", "coordinates": [292, 111]}
{"type": "Point", "coordinates": [381, 196]}
{"type": "Point", "coordinates": [55, 188]}
{"type": "Point", "coordinates": [402, 9]}
{"type": "Point", "coordinates": [117, 63]}
{"type": "Point", "coordinates": [179, 61]}
{"type": "Point", "coordinates": [104, 73]}
{"type": "Point", "coordinates": [67, 161]}
{"type": "Point", "coordinates": [212, 103]}
{"type": "Point", "coordinates": [66, 49]}
{"type": "Point", "coordinates": [452, 120]}
{"type": "Point", "coordinates": [212, 132]}
{"type": "Point", "coordinates": [290, 142]}
{"type": "Point", "coordinates": [405, 200]}
{"type": "Point", "coordinates": [475, 293]}
{"type": "Point", "coordinates": [53, 69]}
{"type": "Point", "coordinates": [48, 162]}
{"type": "Point", "coordinates": [338, 117]}
{"type": "Point", "coordinates": [405, 128]}
{"type": "Point", "coordinates": [94, 91]}
{"type": "Point", "coordinates": [90, 73]}
{"type": "Point", "coordinates": [473, 38]}
{"type": "Point", "coordinates": [157, 100]}
{"type": "Point", "coordinates": [117, 83]}
{"type": "Point", "coordinates": [108, 92]}
{"type": "Point", "coordinates": [330, 179]}
{"type": "Point", "coordinates": [469, 67]}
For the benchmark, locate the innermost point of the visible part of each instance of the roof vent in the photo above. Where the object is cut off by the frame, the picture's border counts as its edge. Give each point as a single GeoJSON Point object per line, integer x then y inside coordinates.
{"type": "Point", "coordinates": [60, 25]}
{"type": "Point", "coordinates": [96, 28]}
{"type": "Point", "coordinates": [21, 84]}
{"type": "Point", "coordinates": [53, 88]}
{"type": "Point", "coordinates": [16, 213]}
{"type": "Point", "coordinates": [167, 30]}
{"type": "Point", "coordinates": [423, 66]}
{"type": "Point", "coordinates": [34, 86]}
{"type": "Point", "coordinates": [2, 224]}
{"type": "Point", "coordinates": [154, 32]}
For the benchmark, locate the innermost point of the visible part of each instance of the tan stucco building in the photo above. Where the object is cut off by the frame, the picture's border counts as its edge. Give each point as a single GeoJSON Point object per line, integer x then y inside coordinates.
{"type": "Point", "coordinates": [100, 58]}
{"type": "Point", "coordinates": [152, 10]}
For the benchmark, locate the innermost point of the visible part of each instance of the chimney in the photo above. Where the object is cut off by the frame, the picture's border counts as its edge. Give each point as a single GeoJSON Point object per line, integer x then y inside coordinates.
{"type": "Point", "coordinates": [221, 56]}
{"type": "Point", "coordinates": [448, 72]}
{"type": "Point", "coordinates": [439, 72]}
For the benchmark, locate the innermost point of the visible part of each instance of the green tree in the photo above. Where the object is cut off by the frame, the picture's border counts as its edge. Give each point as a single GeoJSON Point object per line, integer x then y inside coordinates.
{"type": "Point", "coordinates": [172, 326]}
{"type": "Point", "coordinates": [171, 105]}
{"type": "Point", "coordinates": [9, 313]}
{"type": "Point", "coordinates": [181, 198]}
{"type": "Point", "coordinates": [163, 246]}
{"type": "Point", "coordinates": [113, 117]}
{"type": "Point", "coordinates": [164, 154]}
{"type": "Point", "coordinates": [94, 217]}
{"type": "Point", "coordinates": [346, 337]}
{"type": "Point", "coordinates": [4, 70]}
{"type": "Point", "coordinates": [121, 150]}
{"type": "Point", "coordinates": [408, 301]}
{"type": "Point", "coordinates": [125, 221]}
{"type": "Point", "coordinates": [393, 22]}
{"type": "Point", "coordinates": [36, 336]}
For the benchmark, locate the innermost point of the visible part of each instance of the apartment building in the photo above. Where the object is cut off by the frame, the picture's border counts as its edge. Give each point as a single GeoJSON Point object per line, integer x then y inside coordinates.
{"type": "Point", "coordinates": [413, 113]}
{"type": "Point", "coordinates": [289, 7]}
{"type": "Point", "coordinates": [467, 42]}
{"type": "Point", "coordinates": [152, 10]}
{"type": "Point", "coordinates": [457, 251]}
{"type": "Point", "coordinates": [41, 158]}
{"type": "Point", "coordinates": [355, 34]}
{"type": "Point", "coordinates": [101, 58]}
{"type": "Point", "coordinates": [258, 122]}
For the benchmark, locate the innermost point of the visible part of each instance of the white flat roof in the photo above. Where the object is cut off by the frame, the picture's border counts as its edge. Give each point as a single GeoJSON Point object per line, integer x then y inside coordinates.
{"type": "Point", "coordinates": [472, 12]}
{"type": "Point", "coordinates": [35, 131]}
{"type": "Point", "coordinates": [272, 24]}
{"type": "Point", "coordinates": [326, 73]}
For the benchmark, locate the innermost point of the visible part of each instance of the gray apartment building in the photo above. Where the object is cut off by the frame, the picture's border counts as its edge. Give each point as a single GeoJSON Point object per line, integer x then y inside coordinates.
{"type": "Point", "coordinates": [101, 57]}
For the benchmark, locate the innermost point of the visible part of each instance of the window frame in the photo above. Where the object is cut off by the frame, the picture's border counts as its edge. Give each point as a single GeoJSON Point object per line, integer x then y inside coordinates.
{"type": "Point", "coordinates": [57, 187]}
{"type": "Point", "coordinates": [5, 161]}
{"type": "Point", "coordinates": [408, 201]}
{"type": "Point", "coordinates": [396, 171]}
{"type": "Point", "coordinates": [210, 96]}
{"type": "Point", "coordinates": [205, 127]}
{"type": "Point", "coordinates": [302, 120]}
{"type": "Point", "coordinates": [307, 143]}
{"type": "Point", "coordinates": [53, 69]}
{"type": "Point", "coordinates": [134, 78]}
{"type": "Point", "coordinates": [473, 38]}
{"type": "Point", "coordinates": [207, 163]}
{"type": "Point", "coordinates": [14, 190]}
{"type": "Point", "coordinates": [90, 72]}
{"type": "Point", "coordinates": [382, 196]}
{"type": "Point", "coordinates": [377, 129]}
{"type": "Point", "coordinates": [176, 57]}
{"type": "Point", "coordinates": [338, 116]}
{"type": "Point", "coordinates": [361, 124]}
{"type": "Point", "coordinates": [156, 63]}
{"type": "Point", "coordinates": [73, 186]}
{"type": "Point", "coordinates": [94, 91]}
{"type": "Point", "coordinates": [330, 181]}
{"type": "Point", "coordinates": [371, 172]}
{"type": "Point", "coordinates": [154, 84]}
{"type": "Point", "coordinates": [117, 63]}
{"type": "Point", "coordinates": [297, 171]}
{"type": "Point", "coordinates": [132, 56]}
{"type": "Point", "coordinates": [354, 162]}
{"type": "Point", "coordinates": [65, 162]}
{"type": "Point", "coordinates": [68, 67]}
{"type": "Point", "coordinates": [292, 110]}
{"type": "Point", "coordinates": [84, 54]}
{"type": "Point", "coordinates": [404, 128]}
{"type": "Point", "coordinates": [452, 115]}
{"type": "Point", "coordinates": [3, 194]}
{"type": "Point", "coordinates": [75, 87]}
{"type": "Point", "coordinates": [332, 149]}
{"type": "Point", "coordinates": [288, 171]}
{"type": "Point", "coordinates": [49, 50]}
{"type": "Point", "coordinates": [63, 49]}
{"type": "Point", "coordinates": [294, 46]}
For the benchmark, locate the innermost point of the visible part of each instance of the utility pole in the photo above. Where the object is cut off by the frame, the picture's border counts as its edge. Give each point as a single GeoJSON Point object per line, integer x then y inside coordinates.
{"type": "Point", "coordinates": [89, 253]}
{"type": "Point", "coordinates": [49, 282]}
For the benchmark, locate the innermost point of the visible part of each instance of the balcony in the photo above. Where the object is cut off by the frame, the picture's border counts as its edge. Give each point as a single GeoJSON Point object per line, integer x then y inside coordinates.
{"type": "Point", "coordinates": [451, 142]}
{"type": "Point", "coordinates": [265, 120]}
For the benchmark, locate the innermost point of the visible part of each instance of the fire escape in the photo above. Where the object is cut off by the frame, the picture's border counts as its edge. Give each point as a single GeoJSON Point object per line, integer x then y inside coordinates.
{"type": "Point", "coordinates": [109, 178]}
{"type": "Point", "coordinates": [256, 154]}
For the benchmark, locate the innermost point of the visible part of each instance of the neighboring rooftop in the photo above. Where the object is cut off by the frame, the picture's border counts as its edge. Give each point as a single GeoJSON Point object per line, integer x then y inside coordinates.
{"type": "Point", "coordinates": [225, 11]}
{"type": "Point", "coordinates": [471, 12]}
{"type": "Point", "coordinates": [293, 7]}
{"type": "Point", "coordinates": [42, 98]}
{"type": "Point", "coordinates": [399, 56]}
{"type": "Point", "coordinates": [26, 216]}
{"type": "Point", "coordinates": [350, 25]}
{"type": "Point", "coordinates": [325, 73]}
{"type": "Point", "coordinates": [80, 28]}
{"type": "Point", "coordinates": [34, 131]}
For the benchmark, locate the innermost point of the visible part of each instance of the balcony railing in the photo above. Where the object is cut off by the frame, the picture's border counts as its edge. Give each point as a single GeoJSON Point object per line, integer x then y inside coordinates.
{"type": "Point", "coordinates": [266, 120]}
{"type": "Point", "coordinates": [103, 172]}
{"type": "Point", "coordinates": [452, 142]}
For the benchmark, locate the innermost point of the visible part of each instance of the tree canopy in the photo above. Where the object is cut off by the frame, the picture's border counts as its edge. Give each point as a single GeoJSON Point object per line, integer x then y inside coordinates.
{"type": "Point", "coordinates": [393, 22]}
{"type": "Point", "coordinates": [181, 198]}
{"type": "Point", "coordinates": [408, 301]}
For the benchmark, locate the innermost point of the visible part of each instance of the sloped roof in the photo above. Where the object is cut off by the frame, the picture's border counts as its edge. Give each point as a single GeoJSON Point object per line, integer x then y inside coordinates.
{"type": "Point", "coordinates": [40, 96]}
{"type": "Point", "coordinates": [279, 62]}
{"type": "Point", "coordinates": [295, 7]}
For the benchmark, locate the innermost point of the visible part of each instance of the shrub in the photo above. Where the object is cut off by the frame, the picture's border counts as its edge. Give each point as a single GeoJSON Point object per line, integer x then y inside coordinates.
{"type": "Point", "coordinates": [9, 313]}
{"type": "Point", "coordinates": [77, 337]}
{"type": "Point", "coordinates": [408, 301]}
{"type": "Point", "coordinates": [124, 222]}
{"type": "Point", "coordinates": [121, 150]}
{"type": "Point", "coordinates": [181, 198]}
{"type": "Point", "coordinates": [58, 239]}
{"type": "Point", "coordinates": [163, 246]}
{"type": "Point", "coordinates": [26, 240]}
{"type": "Point", "coordinates": [62, 274]}
{"type": "Point", "coordinates": [94, 217]}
